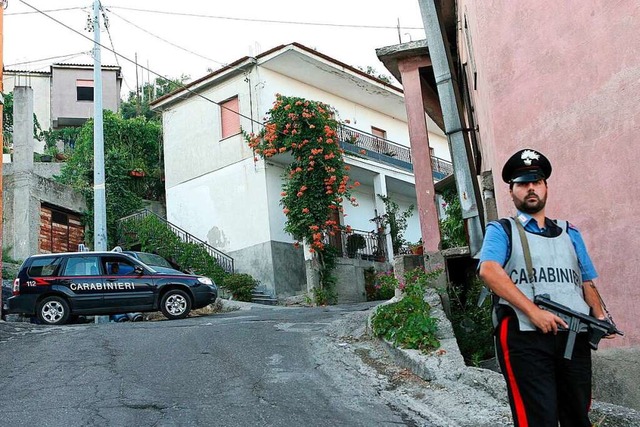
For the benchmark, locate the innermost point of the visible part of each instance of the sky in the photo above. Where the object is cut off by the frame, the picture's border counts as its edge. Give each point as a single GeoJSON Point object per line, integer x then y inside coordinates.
{"type": "Point", "coordinates": [192, 37]}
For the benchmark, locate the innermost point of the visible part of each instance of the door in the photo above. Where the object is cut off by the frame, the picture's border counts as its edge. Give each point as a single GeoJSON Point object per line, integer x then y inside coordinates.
{"type": "Point", "coordinates": [81, 277]}
{"type": "Point", "coordinates": [123, 287]}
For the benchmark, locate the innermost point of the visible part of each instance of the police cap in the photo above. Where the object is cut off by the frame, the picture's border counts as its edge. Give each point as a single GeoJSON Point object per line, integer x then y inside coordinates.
{"type": "Point", "coordinates": [526, 166]}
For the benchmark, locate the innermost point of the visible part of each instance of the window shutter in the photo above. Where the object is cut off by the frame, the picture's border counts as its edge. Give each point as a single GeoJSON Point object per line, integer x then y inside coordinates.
{"type": "Point", "coordinates": [229, 117]}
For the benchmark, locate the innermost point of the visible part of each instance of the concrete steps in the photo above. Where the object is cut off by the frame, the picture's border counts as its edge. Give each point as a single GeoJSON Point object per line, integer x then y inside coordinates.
{"type": "Point", "coordinates": [261, 297]}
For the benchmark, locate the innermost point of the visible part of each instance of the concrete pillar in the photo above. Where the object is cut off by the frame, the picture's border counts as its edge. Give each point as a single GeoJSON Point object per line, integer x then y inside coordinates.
{"type": "Point", "coordinates": [380, 187]}
{"type": "Point", "coordinates": [425, 193]}
{"type": "Point", "coordinates": [26, 208]}
{"type": "Point", "coordinates": [26, 215]}
{"type": "Point", "coordinates": [22, 129]}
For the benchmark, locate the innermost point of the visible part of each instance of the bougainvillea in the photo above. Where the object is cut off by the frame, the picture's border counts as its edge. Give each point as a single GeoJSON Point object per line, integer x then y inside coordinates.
{"type": "Point", "coordinates": [316, 182]}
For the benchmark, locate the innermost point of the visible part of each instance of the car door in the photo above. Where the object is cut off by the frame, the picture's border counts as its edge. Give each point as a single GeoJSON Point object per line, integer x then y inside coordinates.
{"type": "Point", "coordinates": [83, 282]}
{"type": "Point", "coordinates": [124, 288]}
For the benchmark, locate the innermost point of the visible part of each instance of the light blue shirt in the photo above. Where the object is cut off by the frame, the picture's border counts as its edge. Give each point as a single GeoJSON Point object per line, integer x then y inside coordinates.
{"type": "Point", "coordinates": [496, 245]}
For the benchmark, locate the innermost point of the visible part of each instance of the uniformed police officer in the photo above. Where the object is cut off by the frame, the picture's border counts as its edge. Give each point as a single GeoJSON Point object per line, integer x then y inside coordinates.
{"type": "Point", "coordinates": [543, 386]}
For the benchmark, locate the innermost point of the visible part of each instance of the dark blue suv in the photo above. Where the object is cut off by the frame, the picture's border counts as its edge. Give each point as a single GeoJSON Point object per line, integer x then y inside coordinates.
{"type": "Point", "coordinates": [54, 287]}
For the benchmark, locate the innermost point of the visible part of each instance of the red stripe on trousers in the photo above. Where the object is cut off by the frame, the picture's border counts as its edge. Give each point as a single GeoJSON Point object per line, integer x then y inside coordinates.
{"type": "Point", "coordinates": [520, 412]}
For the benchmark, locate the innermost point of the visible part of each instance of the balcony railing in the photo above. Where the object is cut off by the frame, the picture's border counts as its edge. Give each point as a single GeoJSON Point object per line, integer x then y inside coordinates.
{"type": "Point", "coordinates": [359, 244]}
{"type": "Point", "coordinates": [386, 151]}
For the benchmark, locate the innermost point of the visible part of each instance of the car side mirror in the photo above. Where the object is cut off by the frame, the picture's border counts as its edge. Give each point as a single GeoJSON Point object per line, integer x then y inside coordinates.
{"type": "Point", "coordinates": [138, 270]}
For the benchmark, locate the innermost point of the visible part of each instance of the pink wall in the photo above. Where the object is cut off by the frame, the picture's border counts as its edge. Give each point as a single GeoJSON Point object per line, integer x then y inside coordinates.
{"type": "Point", "coordinates": [564, 78]}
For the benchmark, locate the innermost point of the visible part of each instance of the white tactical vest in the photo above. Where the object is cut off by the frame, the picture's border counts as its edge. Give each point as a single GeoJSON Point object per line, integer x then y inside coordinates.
{"type": "Point", "coordinates": [556, 271]}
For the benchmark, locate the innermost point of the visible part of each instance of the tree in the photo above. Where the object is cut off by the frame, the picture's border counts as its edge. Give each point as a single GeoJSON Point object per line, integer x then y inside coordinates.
{"type": "Point", "coordinates": [149, 92]}
{"type": "Point", "coordinates": [129, 145]}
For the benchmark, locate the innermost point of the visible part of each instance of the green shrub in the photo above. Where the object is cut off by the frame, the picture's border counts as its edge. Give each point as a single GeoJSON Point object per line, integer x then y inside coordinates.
{"type": "Point", "coordinates": [154, 236]}
{"type": "Point", "coordinates": [240, 285]}
{"type": "Point", "coordinates": [355, 242]}
{"type": "Point", "coordinates": [407, 323]}
{"type": "Point", "coordinates": [324, 296]}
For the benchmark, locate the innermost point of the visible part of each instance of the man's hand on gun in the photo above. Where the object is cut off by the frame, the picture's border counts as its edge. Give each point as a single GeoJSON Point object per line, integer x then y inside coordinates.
{"type": "Point", "coordinates": [547, 322]}
{"type": "Point", "coordinates": [576, 322]}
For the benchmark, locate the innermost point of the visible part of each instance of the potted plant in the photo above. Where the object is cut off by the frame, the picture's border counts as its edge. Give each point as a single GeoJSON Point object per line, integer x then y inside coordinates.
{"type": "Point", "coordinates": [355, 242]}
{"type": "Point", "coordinates": [137, 173]}
{"type": "Point", "coordinates": [417, 248]}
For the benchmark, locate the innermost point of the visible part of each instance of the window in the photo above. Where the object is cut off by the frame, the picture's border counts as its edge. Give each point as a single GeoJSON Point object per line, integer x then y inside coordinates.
{"type": "Point", "coordinates": [118, 267]}
{"type": "Point", "coordinates": [379, 145]}
{"type": "Point", "coordinates": [81, 266]}
{"type": "Point", "coordinates": [379, 132]}
{"type": "Point", "coordinates": [230, 120]}
{"type": "Point", "coordinates": [84, 90]}
{"type": "Point", "coordinates": [44, 267]}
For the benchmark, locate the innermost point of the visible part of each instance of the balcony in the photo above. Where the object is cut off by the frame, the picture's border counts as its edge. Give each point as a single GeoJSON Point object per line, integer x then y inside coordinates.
{"type": "Point", "coordinates": [385, 151]}
{"type": "Point", "coordinates": [359, 244]}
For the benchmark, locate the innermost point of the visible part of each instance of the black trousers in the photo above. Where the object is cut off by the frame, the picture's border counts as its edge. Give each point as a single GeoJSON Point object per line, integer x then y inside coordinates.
{"type": "Point", "coordinates": [544, 387]}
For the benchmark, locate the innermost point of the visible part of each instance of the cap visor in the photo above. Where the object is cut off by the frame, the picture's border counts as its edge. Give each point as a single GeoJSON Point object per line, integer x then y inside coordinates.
{"type": "Point", "coordinates": [529, 177]}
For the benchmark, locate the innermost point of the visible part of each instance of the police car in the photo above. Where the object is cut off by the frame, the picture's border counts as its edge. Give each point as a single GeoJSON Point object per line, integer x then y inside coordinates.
{"type": "Point", "coordinates": [54, 287]}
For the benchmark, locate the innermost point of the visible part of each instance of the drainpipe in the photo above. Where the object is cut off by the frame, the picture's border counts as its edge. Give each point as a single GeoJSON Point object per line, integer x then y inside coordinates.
{"type": "Point", "coordinates": [450, 101]}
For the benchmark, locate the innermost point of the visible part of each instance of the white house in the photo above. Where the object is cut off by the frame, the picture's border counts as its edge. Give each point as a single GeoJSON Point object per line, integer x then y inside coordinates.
{"type": "Point", "coordinates": [218, 191]}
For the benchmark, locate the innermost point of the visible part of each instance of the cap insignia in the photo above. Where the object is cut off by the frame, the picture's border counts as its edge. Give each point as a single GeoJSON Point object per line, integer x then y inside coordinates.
{"type": "Point", "coordinates": [528, 156]}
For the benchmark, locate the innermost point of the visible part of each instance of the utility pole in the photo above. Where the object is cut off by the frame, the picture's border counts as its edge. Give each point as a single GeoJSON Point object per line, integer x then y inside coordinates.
{"type": "Point", "coordinates": [99, 189]}
{"type": "Point", "coordinates": [450, 100]}
{"type": "Point", "coordinates": [3, 5]}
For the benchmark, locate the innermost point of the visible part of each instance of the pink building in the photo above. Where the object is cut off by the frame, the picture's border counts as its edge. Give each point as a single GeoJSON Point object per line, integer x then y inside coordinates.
{"type": "Point", "coordinates": [562, 78]}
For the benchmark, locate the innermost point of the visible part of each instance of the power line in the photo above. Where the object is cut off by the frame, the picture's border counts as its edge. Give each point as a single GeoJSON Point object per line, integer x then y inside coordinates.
{"type": "Point", "coordinates": [268, 21]}
{"type": "Point", "coordinates": [165, 40]}
{"type": "Point", "coordinates": [68, 56]}
{"type": "Point", "coordinates": [106, 26]}
{"type": "Point", "coordinates": [50, 10]}
{"type": "Point", "coordinates": [192, 92]}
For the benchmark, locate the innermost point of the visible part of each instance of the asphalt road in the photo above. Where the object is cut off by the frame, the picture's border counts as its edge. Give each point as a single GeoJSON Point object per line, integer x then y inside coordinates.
{"type": "Point", "coordinates": [263, 367]}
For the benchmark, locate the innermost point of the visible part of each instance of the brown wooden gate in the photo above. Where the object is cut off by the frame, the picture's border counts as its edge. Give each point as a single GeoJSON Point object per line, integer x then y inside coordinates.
{"type": "Point", "coordinates": [60, 230]}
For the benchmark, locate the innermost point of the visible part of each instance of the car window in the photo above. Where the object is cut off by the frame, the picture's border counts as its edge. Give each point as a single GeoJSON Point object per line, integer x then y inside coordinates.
{"type": "Point", "coordinates": [153, 259]}
{"type": "Point", "coordinates": [82, 266]}
{"type": "Point", "coordinates": [44, 266]}
{"type": "Point", "coordinates": [118, 267]}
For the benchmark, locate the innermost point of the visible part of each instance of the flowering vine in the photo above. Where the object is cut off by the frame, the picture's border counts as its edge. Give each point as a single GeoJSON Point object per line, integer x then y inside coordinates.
{"type": "Point", "coordinates": [316, 182]}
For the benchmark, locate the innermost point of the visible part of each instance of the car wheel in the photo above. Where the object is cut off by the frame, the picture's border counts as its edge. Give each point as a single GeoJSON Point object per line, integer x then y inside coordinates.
{"type": "Point", "coordinates": [53, 311]}
{"type": "Point", "coordinates": [175, 304]}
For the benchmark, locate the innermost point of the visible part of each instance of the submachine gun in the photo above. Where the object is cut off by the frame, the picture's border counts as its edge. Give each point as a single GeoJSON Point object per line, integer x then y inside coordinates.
{"type": "Point", "coordinates": [578, 322]}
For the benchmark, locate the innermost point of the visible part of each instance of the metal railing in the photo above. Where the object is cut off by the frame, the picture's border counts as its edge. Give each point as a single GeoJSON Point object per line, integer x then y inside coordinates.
{"type": "Point", "coordinates": [360, 244]}
{"type": "Point", "coordinates": [225, 261]}
{"type": "Point", "coordinates": [377, 148]}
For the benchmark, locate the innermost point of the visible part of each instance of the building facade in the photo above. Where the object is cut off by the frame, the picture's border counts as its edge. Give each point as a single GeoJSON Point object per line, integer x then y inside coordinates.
{"type": "Point", "coordinates": [219, 191]}
{"type": "Point", "coordinates": [528, 78]}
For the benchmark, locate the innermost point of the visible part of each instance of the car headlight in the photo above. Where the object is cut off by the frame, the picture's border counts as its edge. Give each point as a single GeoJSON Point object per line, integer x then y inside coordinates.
{"type": "Point", "coordinates": [205, 281]}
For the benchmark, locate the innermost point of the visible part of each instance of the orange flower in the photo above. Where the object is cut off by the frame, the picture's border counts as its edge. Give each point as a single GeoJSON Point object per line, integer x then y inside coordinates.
{"type": "Point", "coordinates": [305, 210]}
{"type": "Point", "coordinates": [314, 227]}
{"type": "Point", "coordinates": [283, 194]}
{"type": "Point", "coordinates": [285, 210]}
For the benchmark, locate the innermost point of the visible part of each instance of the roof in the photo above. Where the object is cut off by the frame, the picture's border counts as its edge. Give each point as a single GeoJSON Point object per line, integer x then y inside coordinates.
{"type": "Point", "coordinates": [42, 73]}
{"type": "Point", "coordinates": [69, 65]}
{"type": "Point", "coordinates": [301, 63]}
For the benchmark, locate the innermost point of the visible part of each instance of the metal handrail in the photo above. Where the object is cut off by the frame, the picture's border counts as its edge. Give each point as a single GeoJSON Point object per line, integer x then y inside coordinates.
{"type": "Point", "coordinates": [225, 261]}
{"type": "Point", "coordinates": [385, 147]}
{"type": "Point", "coordinates": [367, 245]}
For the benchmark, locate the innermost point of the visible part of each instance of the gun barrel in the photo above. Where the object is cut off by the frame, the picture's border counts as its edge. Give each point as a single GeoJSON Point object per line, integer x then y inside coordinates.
{"type": "Point", "coordinates": [546, 302]}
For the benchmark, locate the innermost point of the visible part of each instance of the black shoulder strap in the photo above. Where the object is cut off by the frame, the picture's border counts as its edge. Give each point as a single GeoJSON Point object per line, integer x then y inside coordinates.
{"type": "Point", "coordinates": [506, 225]}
